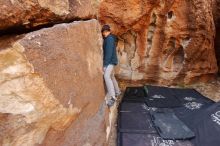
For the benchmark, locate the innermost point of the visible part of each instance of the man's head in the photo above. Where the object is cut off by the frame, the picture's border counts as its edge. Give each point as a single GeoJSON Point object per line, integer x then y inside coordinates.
{"type": "Point", "coordinates": [106, 30]}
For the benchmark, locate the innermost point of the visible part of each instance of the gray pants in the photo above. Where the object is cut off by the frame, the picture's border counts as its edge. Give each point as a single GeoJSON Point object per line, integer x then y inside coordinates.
{"type": "Point", "coordinates": [110, 81]}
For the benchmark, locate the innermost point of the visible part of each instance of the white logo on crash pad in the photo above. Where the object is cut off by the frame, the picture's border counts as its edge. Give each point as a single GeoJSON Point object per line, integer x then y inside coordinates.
{"type": "Point", "coordinates": [193, 105]}
{"type": "Point", "coordinates": [158, 141]}
{"type": "Point", "coordinates": [216, 117]}
{"type": "Point", "coordinates": [189, 98]}
{"type": "Point", "coordinates": [158, 97]}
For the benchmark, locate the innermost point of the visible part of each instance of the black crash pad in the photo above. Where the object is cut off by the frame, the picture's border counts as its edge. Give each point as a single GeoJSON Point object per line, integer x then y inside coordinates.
{"type": "Point", "coordinates": [137, 122]}
{"type": "Point", "coordinates": [206, 126]}
{"type": "Point", "coordinates": [169, 126]}
{"type": "Point", "coordinates": [193, 102]}
{"type": "Point", "coordinates": [161, 97]}
{"type": "Point", "coordinates": [190, 95]}
{"type": "Point", "coordinates": [134, 139]}
{"type": "Point", "coordinates": [185, 113]}
{"type": "Point", "coordinates": [133, 107]}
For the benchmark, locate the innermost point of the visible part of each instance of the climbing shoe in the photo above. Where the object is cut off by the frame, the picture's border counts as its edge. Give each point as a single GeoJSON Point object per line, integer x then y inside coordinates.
{"type": "Point", "coordinates": [118, 94]}
{"type": "Point", "coordinates": [111, 102]}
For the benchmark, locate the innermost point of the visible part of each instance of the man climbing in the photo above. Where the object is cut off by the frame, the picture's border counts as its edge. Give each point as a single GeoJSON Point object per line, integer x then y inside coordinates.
{"type": "Point", "coordinates": [109, 61]}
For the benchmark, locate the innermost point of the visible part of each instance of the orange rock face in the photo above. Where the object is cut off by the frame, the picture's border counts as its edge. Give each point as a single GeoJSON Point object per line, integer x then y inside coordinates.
{"type": "Point", "coordinates": [51, 81]}
{"type": "Point", "coordinates": [164, 42]}
{"type": "Point", "coordinates": [52, 91]}
{"type": "Point", "coordinates": [169, 41]}
{"type": "Point", "coordinates": [33, 13]}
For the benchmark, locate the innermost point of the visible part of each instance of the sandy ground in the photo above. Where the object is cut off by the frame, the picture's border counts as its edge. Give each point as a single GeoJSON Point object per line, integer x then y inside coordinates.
{"type": "Point", "coordinates": [210, 90]}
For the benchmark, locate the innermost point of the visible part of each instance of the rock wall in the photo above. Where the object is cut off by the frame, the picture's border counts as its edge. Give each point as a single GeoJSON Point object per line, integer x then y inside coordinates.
{"type": "Point", "coordinates": [52, 91]}
{"type": "Point", "coordinates": [24, 14]}
{"type": "Point", "coordinates": [51, 83]}
{"type": "Point", "coordinates": [163, 42]}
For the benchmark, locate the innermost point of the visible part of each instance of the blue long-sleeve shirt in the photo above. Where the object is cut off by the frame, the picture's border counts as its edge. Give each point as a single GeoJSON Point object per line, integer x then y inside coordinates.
{"type": "Point", "coordinates": [109, 49]}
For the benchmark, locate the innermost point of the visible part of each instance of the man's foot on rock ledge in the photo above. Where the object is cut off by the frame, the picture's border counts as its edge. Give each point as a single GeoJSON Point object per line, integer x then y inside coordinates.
{"type": "Point", "coordinates": [110, 102]}
{"type": "Point", "coordinates": [118, 94]}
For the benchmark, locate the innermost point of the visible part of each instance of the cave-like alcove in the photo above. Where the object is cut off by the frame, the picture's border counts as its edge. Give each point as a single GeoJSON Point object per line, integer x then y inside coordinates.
{"type": "Point", "coordinates": [217, 43]}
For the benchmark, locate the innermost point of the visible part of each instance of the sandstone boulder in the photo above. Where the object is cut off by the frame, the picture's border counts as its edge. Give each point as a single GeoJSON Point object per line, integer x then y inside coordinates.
{"type": "Point", "coordinates": [23, 14]}
{"type": "Point", "coordinates": [52, 91]}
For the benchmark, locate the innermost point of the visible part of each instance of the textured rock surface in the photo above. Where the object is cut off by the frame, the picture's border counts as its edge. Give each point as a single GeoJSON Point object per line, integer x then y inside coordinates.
{"type": "Point", "coordinates": [165, 42]}
{"type": "Point", "coordinates": [42, 77]}
{"type": "Point", "coordinates": [32, 13]}
{"type": "Point", "coordinates": [52, 91]}
{"type": "Point", "coordinates": [28, 109]}
{"type": "Point", "coordinates": [168, 41]}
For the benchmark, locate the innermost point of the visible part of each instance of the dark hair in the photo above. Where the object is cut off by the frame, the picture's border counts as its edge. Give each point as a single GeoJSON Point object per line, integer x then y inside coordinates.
{"type": "Point", "coordinates": [106, 27]}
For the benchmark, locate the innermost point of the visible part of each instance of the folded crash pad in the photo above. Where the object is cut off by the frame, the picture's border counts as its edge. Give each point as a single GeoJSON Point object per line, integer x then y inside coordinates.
{"type": "Point", "coordinates": [169, 126]}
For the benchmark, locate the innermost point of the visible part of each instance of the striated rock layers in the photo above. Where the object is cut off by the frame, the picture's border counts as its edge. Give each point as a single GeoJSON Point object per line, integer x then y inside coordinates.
{"type": "Point", "coordinates": [51, 85]}
{"type": "Point", "coordinates": [163, 41]}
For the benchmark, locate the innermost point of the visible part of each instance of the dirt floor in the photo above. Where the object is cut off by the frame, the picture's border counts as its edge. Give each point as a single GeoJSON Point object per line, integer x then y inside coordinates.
{"type": "Point", "coordinates": [210, 90]}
